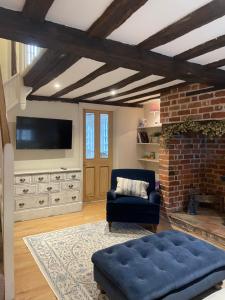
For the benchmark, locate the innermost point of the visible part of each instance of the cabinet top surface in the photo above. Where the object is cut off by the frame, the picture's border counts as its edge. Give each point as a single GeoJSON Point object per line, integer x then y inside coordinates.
{"type": "Point", "coordinates": [59, 170]}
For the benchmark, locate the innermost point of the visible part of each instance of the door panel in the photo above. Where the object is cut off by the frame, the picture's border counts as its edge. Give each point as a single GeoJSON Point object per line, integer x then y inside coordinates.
{"type": "Point", "coordinates": [97, 154]}
{"type": "Point", "coordinates": [104, 174]}
{"type": "Point", "coordinates": [90, 180]}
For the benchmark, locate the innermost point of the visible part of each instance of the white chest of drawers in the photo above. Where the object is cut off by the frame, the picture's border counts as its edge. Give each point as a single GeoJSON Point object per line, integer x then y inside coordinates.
{"type": "Point", "coordinates": [43, 193]}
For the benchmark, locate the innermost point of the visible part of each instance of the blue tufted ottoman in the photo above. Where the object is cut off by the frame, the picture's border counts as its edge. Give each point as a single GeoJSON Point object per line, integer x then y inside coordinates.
{"type": "Point", "coordinates": [169, 265]}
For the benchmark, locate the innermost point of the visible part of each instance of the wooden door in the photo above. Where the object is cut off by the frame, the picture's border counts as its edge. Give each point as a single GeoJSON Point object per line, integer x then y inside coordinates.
{"type": "Point", "coordinates": [97, 153]}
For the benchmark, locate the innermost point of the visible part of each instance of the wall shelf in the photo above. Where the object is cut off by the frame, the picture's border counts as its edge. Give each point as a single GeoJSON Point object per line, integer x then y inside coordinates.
{"type": "Point", "coordinates": [154, 144]}
{"type": "Point", "coordinates": [149, 160]}
{"type": "Point", "coordinates": [149, 127]}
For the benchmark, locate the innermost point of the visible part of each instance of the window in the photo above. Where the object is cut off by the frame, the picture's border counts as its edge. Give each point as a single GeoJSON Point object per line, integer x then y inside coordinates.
{"type": "Point", "coordinates": [90, 135]}
{"type": "Point", "coordinates": [31, 52]}
{"type": "Point", "coordinates": [104, 135]}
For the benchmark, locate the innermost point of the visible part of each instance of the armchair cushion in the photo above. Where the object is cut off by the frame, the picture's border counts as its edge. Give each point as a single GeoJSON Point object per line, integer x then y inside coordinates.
{"type": "Point", "coordinates": [130, 187]}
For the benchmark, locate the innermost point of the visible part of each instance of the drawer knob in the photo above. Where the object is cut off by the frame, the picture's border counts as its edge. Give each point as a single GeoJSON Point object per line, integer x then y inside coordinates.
{"type": "Point", "coordinates": [71, 186]}
{"type": "Point", "coordinates": [57, 177]}
{"type": "Point", "coordinates": [49, 188]}
{"type": "Point", "coordinates": [25, 191]}
{"type": "Point", "coordinates": [74, 197]}
{"type": "Point", "coordinates": [40, 178]}
{"type": "Point", "coordinates": [57, 199]}
{"type": "Point", "coordinates": [22, 179]}
{"type": "Point", "coordinates": [21, 204]}
{"type": "Point", "coordinates": [73, 176]}
{"type": "Point", "coordinates": [41, 202]}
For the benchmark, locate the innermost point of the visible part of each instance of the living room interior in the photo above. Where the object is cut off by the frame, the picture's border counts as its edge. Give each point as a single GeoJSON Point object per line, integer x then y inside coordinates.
{"type": "Point", "coordinates": [112, 129]}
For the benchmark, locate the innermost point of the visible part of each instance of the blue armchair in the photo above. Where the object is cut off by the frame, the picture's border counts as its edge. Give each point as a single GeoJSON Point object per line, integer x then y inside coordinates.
{"type": "Point", "coordinates": [133, 209]}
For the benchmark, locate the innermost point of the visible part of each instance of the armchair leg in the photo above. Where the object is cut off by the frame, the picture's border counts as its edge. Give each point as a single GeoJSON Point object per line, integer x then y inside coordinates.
{"type": "Point", "coordinates": [110, 225]}
{"type": "Point", "coordinates": [154, 228]}
{"type": "Point", "coordinates": [100, 289]}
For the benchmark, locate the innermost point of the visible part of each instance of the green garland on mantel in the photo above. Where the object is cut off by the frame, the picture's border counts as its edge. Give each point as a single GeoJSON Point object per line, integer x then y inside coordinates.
{"type": "Point", "coordinates": [210, 129]}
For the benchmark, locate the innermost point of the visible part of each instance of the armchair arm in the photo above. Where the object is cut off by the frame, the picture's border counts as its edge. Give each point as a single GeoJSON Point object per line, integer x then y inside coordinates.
{"type": "Point", "coordinates": [155, 198]}
{"type": "Point", "coordinates": [111, 195]}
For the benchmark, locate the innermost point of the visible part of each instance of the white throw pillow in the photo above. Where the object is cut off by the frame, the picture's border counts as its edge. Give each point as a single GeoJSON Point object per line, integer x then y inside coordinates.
{"type": "Point", "coordinates": [131, 187]}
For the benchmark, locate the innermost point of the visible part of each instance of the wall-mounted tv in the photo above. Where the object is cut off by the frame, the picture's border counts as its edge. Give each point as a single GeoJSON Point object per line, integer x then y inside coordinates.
{"type": "Point", "coordinates": [40, 133]}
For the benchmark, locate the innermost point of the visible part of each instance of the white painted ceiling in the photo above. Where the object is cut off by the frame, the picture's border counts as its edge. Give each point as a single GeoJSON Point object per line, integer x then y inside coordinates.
{"type": "Point", "coordinates": [102, 81]}
{"type": "Point", "coordinates": [131, 86]}
{"type": "Point", "coordinates": [209, 57]}
{"type": "Point", "coordinates": [171, 83]}
{"type": "Point", "coordinates": [79, 14]}
{"type": "Point", "coordinates": [152, 17]}
{"type": "Point", "coordinates": [194, 38]}
{"type": "Point", "coordinates": [12, 4]}
{"type": "Point", "coordinates": [76, 72]}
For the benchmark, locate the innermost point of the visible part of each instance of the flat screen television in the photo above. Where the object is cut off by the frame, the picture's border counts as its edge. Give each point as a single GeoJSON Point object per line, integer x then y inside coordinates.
{"type": "Point", "coordinates": [40, 133]}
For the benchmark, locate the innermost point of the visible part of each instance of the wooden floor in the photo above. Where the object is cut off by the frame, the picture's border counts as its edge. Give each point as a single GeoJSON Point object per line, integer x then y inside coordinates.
{"type": "Point", "coordinates": [30, 283]}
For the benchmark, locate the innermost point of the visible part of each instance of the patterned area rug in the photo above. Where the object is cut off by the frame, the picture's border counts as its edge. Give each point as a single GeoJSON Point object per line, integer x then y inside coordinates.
{"type": "Point", "coordinates": [64, 256]}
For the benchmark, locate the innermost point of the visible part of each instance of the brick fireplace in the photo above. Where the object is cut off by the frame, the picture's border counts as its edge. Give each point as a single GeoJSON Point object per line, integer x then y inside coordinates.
{"type": "Point", "coordinates": [191, 160]}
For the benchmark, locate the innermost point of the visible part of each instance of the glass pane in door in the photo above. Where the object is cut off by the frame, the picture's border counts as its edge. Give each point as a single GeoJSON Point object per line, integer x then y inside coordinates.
{"type": "Point", "coordinates": [90, 135]}
{"type": "Point", "coordinates": [104, 135]}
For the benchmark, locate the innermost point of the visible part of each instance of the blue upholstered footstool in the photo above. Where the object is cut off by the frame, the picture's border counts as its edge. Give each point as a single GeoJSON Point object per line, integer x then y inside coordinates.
{"type": "Point", "coordinates": [169, 265]}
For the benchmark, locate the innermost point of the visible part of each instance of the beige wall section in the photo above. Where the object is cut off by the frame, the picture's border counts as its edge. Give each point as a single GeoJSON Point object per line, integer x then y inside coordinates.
{"type": "Point", "coordinates": [125, 137]}
{"type": "Point", "coordinates": [42, 159]}
{"type": "Point", "coordinates": [5, 59]}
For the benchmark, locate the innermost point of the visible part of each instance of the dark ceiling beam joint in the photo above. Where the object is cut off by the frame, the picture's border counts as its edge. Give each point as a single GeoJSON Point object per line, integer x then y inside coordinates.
{"type": "Point", "coordinates": [37, 10]}
{"type": "Point", "coordinates": [77, 42]}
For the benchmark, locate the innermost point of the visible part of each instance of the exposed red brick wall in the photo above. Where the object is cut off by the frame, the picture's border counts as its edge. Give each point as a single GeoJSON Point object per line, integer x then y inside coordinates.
{"type": "Point", "coordinates": [176, 106]}
{"type": "Point", "coordinates": [191, 160]}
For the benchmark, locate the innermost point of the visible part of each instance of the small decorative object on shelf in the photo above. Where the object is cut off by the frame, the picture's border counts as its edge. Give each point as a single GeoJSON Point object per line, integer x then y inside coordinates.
{"type": "Point", "coordinates": [142, 123]}
{"type": "Point", "coordinates": [156, 137]}
{"type": "Point", "coordinates": [149, 155]}
{"type": "Point", "coordinates": [142, 137]}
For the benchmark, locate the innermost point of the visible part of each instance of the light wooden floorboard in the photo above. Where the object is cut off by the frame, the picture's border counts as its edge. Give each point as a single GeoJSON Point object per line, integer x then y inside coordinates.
{"type": "Point", "coordinates": [29, 281]}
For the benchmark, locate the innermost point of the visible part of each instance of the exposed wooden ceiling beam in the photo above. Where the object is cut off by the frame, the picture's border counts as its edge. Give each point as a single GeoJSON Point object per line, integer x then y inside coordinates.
{"type": "Point", "coordinates": [204, 15]}
{"type": "Point", "coordinates": [116, 86]}
{"type": "Point", "coordinates": [77, 42]}
{"type": "Point", "coordinates": [37, 10]}
{"type": "Point", "coordinates": [53, 69]}
{"type": "Point", "coordinates": [134, 90]}
{"type": "Point", "coordinates": [148, 94]}
{"type": "Point", "coordinates": [146, 100]}
{"type": "Point", "coordinates": [216, 64]}
{"type": "Point", "coordinates": [115, 15]}
{"type": "Point", "coordinates": [72, 101]}
{"type": "Point", "coordinates": [100, 71]}
{"type": "Point", "coordinates": [202, 48]}
{"type": "Point", "coordinates": [205, 90]}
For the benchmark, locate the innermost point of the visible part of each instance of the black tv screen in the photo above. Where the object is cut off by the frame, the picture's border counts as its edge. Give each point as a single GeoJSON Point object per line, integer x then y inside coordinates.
{"type": "Point", "coordinates": [39, 133]}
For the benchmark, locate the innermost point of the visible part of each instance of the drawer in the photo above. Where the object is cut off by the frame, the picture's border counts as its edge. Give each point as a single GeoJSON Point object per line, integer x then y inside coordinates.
{"type": "Point", "coordinates": [63, 198]}
{"type": "Point", "coordinates": [22, 179]}
{"type": "Point", "coordinates": [31, 202]}
{"type": "Point", "coordinates": [73, 176]}
{"type": "Point", "coordinates": [73, 196]}
{"type": "Point", "coordinates": [41, 178]}
{"type": "Point", "coordinates": [57, 177]}
{"type": "Point", "coordinates": [70, 185]}
{"type": "Point", "coordinates": [25, 189]}
{"type": "Point", "coordinates": [51, 187]}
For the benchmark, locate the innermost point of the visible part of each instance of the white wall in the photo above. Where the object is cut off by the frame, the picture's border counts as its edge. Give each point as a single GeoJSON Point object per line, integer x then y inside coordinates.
{"type": "Point", "coordinates": [125, 122]}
